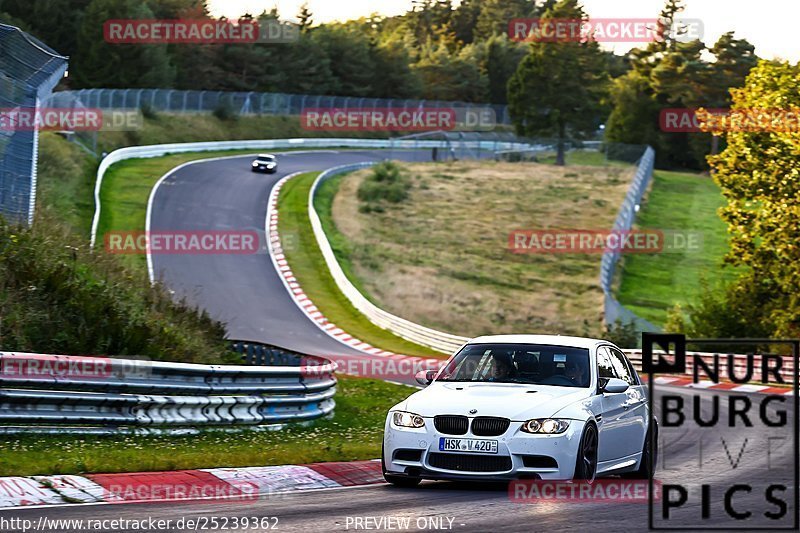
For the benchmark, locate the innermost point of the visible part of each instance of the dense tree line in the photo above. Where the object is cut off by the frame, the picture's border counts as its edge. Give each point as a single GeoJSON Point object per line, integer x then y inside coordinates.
{"type": "Point", "coordinates": [435, 51]}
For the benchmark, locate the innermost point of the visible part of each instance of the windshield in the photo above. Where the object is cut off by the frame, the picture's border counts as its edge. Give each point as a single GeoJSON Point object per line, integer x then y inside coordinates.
{"type": "Point", "coordinates": [265, 159]}
{"type": "Point", "coordinates": [519, 363]}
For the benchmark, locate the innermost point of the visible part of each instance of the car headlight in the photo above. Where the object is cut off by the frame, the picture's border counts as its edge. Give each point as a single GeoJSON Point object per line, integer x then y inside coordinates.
{"type": "Point", "coordinates": [407, 420]}
{"type": "Point", "coordinates": [255, 164]}
{"type": "Point", "coordinates": [548, 426]}
{"type": "Point", "coordinates": [270, 165]}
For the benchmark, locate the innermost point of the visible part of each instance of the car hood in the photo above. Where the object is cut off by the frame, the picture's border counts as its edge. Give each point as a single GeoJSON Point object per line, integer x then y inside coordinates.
{"type": "Point", "coordinates": [516, 401]}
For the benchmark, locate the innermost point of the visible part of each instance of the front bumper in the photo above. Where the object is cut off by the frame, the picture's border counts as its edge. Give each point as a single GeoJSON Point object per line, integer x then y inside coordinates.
{"type": "Point", "coordinates": [265, 169]}
{"type": "Point", "coordinates": [519, 455]}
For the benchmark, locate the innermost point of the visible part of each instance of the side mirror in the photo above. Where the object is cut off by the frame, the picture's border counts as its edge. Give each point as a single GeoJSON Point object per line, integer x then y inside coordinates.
{"type": "Point", "coordinates": [615, 385]}
{"type": "Point", "coordinates": [424, 377]}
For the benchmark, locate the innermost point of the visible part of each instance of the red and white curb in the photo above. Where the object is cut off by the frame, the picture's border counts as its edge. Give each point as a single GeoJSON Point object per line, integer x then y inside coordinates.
{"type": "Point", "coordinates": [223, 484]}
{"type": "Point", "coordinates": [299, 296]}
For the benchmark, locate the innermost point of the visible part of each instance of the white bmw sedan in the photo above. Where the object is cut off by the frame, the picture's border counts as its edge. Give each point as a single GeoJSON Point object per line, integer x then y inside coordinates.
{"type": "Point", "coordinates": [523, 407]}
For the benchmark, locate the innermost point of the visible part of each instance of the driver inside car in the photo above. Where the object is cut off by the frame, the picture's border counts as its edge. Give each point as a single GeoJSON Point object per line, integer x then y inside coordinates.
{"type": "Point", "coordinates": [500, 368]}
{"type": "Point", "coordinates": [577, 372]}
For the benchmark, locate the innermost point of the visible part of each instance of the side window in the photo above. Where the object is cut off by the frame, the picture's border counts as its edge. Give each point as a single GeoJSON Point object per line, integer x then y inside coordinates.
{"type": "Point", "coordinates": [605, 368]}
{"type": "Point", "coordinates": [621, 366]}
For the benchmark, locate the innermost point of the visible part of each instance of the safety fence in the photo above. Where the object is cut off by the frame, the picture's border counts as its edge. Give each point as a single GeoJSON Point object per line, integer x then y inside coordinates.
{"type": "Point", "coordinates": [245, 103]}
{"type": "Point", "coordinates": [55, 393]}
{"type": "Point", "coordinates": [614, 311]}
{"type": "Point", "coordinates": [28, 72]}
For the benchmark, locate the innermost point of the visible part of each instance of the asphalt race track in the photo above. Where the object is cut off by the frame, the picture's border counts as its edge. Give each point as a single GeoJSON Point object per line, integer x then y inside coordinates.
{"type": "Point", "coordinates": [243, 291]}
{"type": "Point", "coordinates": [488, 508]}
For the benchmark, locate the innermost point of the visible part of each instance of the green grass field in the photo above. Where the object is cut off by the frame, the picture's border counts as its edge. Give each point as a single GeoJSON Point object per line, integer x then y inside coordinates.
{"type": "Point", "coordinates": [652, 284]}
{"type": "Point", "coordinates": [126, 189]}
{"type": "Point", "coordinates": [353, 433]}
{"type": "Point", "coordinates": [312, 273]}
{"type": "Point", "coordinates": [441, 256]}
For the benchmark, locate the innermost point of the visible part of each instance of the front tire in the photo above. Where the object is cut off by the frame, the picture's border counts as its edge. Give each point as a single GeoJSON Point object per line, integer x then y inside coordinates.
{"type": "Point", "coordinates": [398, 481]}
{"type": "Point", "coordinates": [401, 481]}
{"type": "Point", "coordinates": [586, 462]}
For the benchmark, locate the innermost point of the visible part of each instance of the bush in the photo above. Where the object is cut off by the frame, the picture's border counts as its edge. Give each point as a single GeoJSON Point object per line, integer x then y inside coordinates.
{"type": "Point", "coordinates": [385, 183]}
{"type": "Point", "coordinates": [57, 297]}
{"type": "Point", "coordinates": [225, 112]}
{"type": "Point", "coordinates": [623, 334]}
{"type": "Point", "coordinates": [148, 112]}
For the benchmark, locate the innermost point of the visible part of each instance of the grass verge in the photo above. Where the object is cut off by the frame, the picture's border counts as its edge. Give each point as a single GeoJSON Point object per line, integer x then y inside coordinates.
{"type": "Point", "coordinates": [652, 284]}
{"type": "Point", "coordinates": [126, 189]}
{"type": "Point", "coordinates": [440, 255]}
{"type": "Point", "coordinates": [312, 273]}
{"type": "Point", "coordinates": [353, 433]}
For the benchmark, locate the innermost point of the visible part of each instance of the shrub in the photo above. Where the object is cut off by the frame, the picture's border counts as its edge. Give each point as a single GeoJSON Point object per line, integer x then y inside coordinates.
{"type": "Point", "coordinates": [623, 334]}
{"type": "Point", "coordinates": [148, 111]}
{"type": "Point", "coordinates": [385, 183]}
{"type": "Point", "coordinates": [225, 112]}
{"type": "Point", "coordinates": [58, 297]}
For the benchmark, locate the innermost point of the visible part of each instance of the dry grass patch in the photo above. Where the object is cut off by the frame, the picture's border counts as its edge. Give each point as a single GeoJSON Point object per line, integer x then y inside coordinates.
{"type": "Point", "coordinates": [441, 258]}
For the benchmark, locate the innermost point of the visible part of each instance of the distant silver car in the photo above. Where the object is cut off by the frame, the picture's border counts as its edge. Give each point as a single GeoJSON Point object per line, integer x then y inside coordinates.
{"type": "Point", "coordinates": [265, 163]}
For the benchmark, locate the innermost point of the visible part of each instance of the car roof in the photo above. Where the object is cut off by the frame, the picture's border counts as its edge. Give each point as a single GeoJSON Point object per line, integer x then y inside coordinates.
{"type": "Point", "coordinates": [259, 156]}
{"type": "Point", "coordinates": [553, 340]}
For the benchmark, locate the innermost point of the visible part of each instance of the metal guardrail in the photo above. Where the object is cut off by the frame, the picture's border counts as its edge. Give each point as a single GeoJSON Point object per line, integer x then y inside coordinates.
{"type": "Point", "coordinates": [613, 309]}
{"type": "Point", "coordinates": [157, 150]}
{"type": "Point", "coordinates": [28, 72]}
{"type": "Point", "coordinates": [75, 393]}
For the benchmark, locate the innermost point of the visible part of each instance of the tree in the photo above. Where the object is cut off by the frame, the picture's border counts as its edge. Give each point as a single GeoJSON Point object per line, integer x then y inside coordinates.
{"type": "Point", "coordinates": [632, 120]}
{"type": "Point", "coordinates": [393, 76]}
{"type": "Point", "coordinates": [557, 88]}
{"type": "Point", "coordinates": [734, 58]}
{"type": "Point", "coordinates": [351, 59]}
{"type": "Point", "coordinates": [495, 16]}
{"type": "Point", "coordinates": [304, 17]}
{"type": "Point", "coordinates": [465, 17]}
{"type": "Point", "coordinates": [501, 61]}
{"type": "Point", "coordinates": [101, 64]}
{"type": "Point", "coordinates": [310, 67]}
{"type": "Point", "coordinates": [758, 173]}
{"type": "Point", "coordinates": [448, 76]}
{"type": "Point", "coordinates": [54, 22]}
